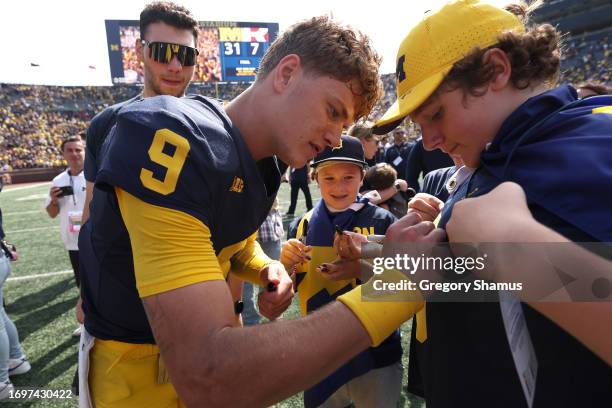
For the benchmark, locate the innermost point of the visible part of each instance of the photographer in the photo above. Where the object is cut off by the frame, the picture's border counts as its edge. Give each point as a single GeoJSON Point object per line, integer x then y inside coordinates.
{"type": "Point", "coordinates": [66, 198]}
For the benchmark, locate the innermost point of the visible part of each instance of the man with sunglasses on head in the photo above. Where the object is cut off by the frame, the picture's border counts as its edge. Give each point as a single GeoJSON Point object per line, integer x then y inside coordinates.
{"type": "Point", "coordinates": [166, 50]}
{"type": "Point", "coordinates": [181, 191]}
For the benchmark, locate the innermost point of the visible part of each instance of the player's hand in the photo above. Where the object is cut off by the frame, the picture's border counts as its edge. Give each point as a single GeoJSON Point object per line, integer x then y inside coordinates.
{"type": "Point", "coordinates": [348, 245]}
{"type": "Point", "coordinates": [410, 228]}
{"type": "Point", "coordinates": [426, 206]}
{"type": "Point", "coordinates": [340, 270]}
{"type": "Point", "coordinates": [272, 303]}
{"type": "Point", "coordinates": [294, 252]}
{"type": "Point", "coordinates": [54, 194]}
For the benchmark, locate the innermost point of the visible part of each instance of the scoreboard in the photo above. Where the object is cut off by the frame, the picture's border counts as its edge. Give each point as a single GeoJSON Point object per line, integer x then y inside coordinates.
{"type": "Point", "coordinates": [229, 51]}
{"type": "Point", "coordinates": [241, 50]}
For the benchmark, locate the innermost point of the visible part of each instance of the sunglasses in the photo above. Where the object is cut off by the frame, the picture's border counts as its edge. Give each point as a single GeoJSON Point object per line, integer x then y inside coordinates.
{"type": "Point", "coordinates": [164, 52]}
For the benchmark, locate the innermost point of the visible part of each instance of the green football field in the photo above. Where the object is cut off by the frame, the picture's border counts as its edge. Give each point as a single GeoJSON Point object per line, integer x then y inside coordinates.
{"type": "Point", "coordinates": [40, 295]}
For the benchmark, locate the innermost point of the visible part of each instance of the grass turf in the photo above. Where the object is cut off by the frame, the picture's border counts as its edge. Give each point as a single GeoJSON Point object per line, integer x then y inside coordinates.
{"type": "Point", "coordinates": [43, 307]}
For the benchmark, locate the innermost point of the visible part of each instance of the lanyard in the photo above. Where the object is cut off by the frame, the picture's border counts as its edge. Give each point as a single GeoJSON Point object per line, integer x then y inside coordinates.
{"type": "Point", "coordinates": [72, 186]}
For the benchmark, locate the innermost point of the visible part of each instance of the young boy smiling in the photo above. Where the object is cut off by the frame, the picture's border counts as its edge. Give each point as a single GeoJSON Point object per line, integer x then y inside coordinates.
{"type": "Point", "coordinates": [373, 378]}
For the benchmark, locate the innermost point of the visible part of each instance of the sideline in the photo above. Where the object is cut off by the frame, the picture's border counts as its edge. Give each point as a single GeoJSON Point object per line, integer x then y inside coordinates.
{"type": "Point", "coordinates": [8, 189]}
{"type": "Point", "coordinates": [31, 229]}
{"type": "Point", "coordinates": [41, 211]}
{"type": "Point", "coordinates": [41, 275]}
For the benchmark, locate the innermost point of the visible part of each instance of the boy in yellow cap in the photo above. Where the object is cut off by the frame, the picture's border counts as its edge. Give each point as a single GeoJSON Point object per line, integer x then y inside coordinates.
{"type": "Point", "coordinates": [479, 81]}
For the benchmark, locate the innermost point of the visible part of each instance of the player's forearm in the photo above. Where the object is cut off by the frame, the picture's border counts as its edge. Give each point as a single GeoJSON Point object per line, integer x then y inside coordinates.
{"type": "Point", "coordinates": [273, 361]}
{"type": "Point", "coordinates": [588, 322]}
{"type": "Point", "coordinates": [247, 264]}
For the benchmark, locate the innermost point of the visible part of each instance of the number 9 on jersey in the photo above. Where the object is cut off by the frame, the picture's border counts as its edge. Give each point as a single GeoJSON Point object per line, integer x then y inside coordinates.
{"type": "Point", "coordinates": [173, 163]}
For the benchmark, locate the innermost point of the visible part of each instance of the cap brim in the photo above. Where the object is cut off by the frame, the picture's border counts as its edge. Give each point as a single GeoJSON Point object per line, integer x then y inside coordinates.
{"type": "Point", "coordinates": [408, 102]}
{"type": "Point", "coordinates": [336, 160]}
{"type": "Point", "coordinates": [383, 129]}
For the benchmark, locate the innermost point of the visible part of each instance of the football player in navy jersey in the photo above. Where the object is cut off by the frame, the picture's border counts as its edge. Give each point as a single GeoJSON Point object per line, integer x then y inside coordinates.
{"type": "Point", "coordinates": [163, 25]}
{"type": "Point", "coordinates": [485, 91]}
{"type": "Point", "coordinates": [164, 233]}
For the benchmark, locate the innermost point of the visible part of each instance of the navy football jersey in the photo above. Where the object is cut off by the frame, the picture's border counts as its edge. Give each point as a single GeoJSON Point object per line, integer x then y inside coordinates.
{"type": "Point", "coordinates": [181, 154]}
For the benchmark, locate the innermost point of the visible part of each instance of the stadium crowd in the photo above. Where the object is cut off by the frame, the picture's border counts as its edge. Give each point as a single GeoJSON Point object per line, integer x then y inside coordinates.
{"type": "Point", "coordinates": [208, 68]}
{"type": "Point", "coordinates": [35, 119]}
{"type": "Point", "coordinates": [131, 67]}
{"type": "Point", "coordinates": [588, 57]}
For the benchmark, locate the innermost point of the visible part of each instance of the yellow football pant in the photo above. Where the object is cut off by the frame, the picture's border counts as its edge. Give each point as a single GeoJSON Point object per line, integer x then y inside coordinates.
{"type": "Point", "coordinates": [126, 375]}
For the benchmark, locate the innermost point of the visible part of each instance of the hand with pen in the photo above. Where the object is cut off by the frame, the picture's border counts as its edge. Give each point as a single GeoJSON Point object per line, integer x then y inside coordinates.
{"type": "Point", "coordinates": [278, 292]}
{"type": "Point", "coordinates": [348, 248]}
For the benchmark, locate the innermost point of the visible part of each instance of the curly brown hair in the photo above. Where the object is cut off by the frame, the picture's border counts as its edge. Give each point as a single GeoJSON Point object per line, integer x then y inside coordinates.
{"type": "Point", "coordinates": [328, 48]}
{"type": "Point", "coordinates": [535, 57]}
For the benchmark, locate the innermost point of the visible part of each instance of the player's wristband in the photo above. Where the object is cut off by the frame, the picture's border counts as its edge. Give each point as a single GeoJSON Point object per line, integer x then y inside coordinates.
{"type": "Point", "coordinates": [381, 318]}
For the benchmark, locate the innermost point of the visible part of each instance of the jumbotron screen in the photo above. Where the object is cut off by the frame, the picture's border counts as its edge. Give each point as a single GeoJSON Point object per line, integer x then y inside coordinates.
{"type": "Point", "coordinates": [229, 51]}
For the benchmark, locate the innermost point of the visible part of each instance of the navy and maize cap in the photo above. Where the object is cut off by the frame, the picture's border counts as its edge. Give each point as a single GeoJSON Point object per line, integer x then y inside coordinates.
{"type": "Point", "coordinates": [350, 150]}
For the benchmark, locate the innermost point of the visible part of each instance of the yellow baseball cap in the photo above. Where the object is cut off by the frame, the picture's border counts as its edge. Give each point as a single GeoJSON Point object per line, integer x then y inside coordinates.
{"type": "Point", "coordinates": [437, 42]}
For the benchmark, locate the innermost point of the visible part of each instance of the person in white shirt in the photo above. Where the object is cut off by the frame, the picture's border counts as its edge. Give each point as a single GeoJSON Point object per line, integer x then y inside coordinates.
{"type": "Point", "coordinates": [67, 197]}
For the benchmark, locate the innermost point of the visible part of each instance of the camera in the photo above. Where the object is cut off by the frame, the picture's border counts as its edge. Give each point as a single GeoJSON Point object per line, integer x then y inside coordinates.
{"type": "Point", "coordinates": [66, 191]}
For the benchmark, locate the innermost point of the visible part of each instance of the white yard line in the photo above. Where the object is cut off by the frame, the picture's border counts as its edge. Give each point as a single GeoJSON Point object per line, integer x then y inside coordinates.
{"type": "Point", "coordinates": [24, 212]}
{"type": "Point", "coordinates": [30, 229]}
{"type": "Point", "coordinates": [41, 275]}
{"type": "Point", "coordinates": [10, 190]}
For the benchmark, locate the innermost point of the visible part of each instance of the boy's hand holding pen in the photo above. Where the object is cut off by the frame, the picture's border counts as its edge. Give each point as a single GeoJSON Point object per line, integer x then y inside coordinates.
{"type": "Point", "coordinates": [295, 251]}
